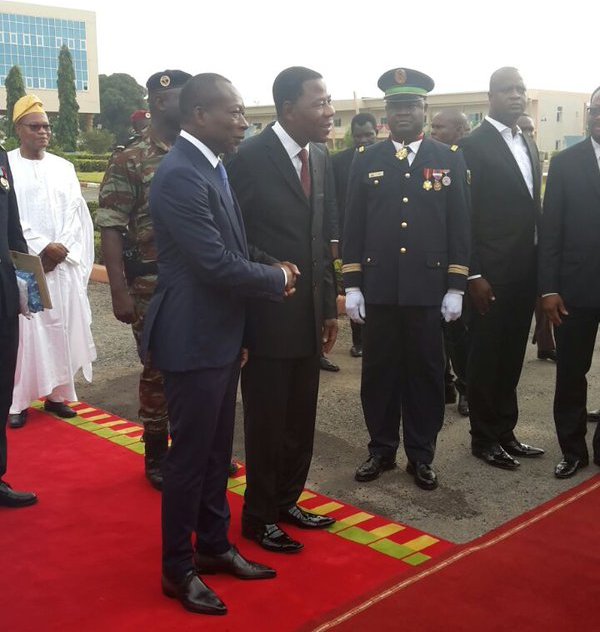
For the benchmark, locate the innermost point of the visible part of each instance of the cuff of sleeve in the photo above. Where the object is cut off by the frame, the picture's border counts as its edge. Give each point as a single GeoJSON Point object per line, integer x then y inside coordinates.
{"type": "Point", "coordinates": [474, 276]}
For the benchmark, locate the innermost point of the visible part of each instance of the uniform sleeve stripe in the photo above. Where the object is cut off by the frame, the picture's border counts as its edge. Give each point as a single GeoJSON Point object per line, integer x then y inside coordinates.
{"type": "Point", "coordinates": [456, 269]}
{"type": "Point", "coordinates": [351, 267]}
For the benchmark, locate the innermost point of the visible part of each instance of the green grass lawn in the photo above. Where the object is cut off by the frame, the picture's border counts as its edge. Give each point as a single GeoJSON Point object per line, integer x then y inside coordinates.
{"type": "Point", "coordinates": [92, 176]}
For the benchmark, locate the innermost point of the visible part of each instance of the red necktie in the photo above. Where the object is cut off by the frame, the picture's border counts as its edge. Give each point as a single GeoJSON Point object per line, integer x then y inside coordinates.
{"type": "Point", "coordinates": [304, 172]}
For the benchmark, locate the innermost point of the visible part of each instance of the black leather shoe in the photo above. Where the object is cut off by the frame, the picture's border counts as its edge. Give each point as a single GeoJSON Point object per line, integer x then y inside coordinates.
{"type": "Point", "coordinates": [328, 365]}
{"type": "Point", "coordinates": [232, 563]}
{"type": "Point", "coordinates": [11, 498]}
{"type": "Point", "coordinates": [497, 457]}
{"type": "Point", "coordinates": [567, 467]}
{"type": "Point", "coordinates": [593, 416]}
{"type": "Point", "coordinates": [305, 520]}
{"type": "Point", "coordinates": [271, 538]}
{"type": "Point", "coordinates": [463, 405]}
{"type": "Point", "coordinates": [233, 468]}
{"type": "Point", "coordinates": [17, 420]}
{"type": "Point", "coordinates": [373, 468]}
{"type": "Point", "coordinates": [356, 351]}
{"type": "Point", "coordinates": [547, 355]}
{"type": "Point", "coordinates": [156, 445]}
{"type": "Point", "coordinates": [60, 409]}
{"type": "Point", "coordinates": [424, 475]}
{"type": "Point", "coordinates": [516, 448]}
{"type": "Point", "coordinates": [193, 594]}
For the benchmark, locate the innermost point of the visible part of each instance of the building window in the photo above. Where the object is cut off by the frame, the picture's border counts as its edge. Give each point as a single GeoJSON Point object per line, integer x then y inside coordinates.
{"type": "Point", "coordinates": [29, 82]}
{"type": "Point", "coordinates": [14, 38]}
{"type": "Point", "coordinates": [257, 126]}
{"type": "Point", "coordinates": [42, 82]}
{"type": "Point", "coordinates": [337, 122]}
{"type": "Point", "coordinates": [557, 145]}
{"type": "Point", "coordinates": [39, 40]}
{"type": "Point", "coordinates": [383, 120]}
{"type": "Point", "coordinates": [559, 113]}
{"type": "Point", "coordinates": [71, 43]}
{"type": "Point", "coordinates": [26, 39]}
{"type": "Point", "coordinates": [82, 44]}
{"type": "Point", "coordinates": [59, 42]}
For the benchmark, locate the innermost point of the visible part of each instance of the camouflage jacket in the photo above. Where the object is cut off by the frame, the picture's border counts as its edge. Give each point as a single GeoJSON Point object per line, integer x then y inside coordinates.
{"type": "Point", "coordinates": [123, 200]}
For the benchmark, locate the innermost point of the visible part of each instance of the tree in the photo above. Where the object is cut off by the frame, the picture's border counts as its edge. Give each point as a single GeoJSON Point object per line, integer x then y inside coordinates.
{"type": "Point", "coordinates": [120, 96]}
{"type": "Point", "coordinates": [97, 141]}
{"type": "Point", "coordinates": [67, 126]}
{"type": "Point", "coordinates": [15, 89]}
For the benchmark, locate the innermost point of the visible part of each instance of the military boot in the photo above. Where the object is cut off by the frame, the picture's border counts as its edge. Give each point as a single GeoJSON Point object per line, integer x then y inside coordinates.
{"type": "Point", "coordinates": [156, 446]}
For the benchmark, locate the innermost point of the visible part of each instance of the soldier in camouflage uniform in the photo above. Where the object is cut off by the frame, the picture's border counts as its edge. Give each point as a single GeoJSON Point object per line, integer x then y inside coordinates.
{"type": "Point", "coordinates": [129, 250]}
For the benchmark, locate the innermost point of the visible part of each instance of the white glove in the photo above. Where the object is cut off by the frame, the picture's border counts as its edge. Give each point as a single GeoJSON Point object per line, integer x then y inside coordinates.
{"type": "Point", "coordinates": [452, 306]}
{"type": "Point", "coordinates": [355, 305]}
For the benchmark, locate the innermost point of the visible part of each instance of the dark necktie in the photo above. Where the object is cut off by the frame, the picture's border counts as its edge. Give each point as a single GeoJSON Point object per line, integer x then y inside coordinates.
{"type": "Point", "coordinates": [304, 172]}
{"type": "Point", "coordinates": [224, 180]}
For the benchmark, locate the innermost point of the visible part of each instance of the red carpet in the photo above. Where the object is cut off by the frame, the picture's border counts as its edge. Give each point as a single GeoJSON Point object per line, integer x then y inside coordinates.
{"type": "Point", "coordinates": [540, 572]}
{"type": "Point", "coordinates": [86, 558]}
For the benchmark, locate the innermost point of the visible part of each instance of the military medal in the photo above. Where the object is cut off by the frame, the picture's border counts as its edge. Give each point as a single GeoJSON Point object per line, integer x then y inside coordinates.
{"type": "Point", "coordinates": [4, 180]}
{"type": "Point", "coordinates": [437, 176]}
{"type": "Point", "coordinates": [402, 153]}
{"type": "Point", "coordinates": [427, 183]}
{"type": "Point", "coordinates": [446, 180]}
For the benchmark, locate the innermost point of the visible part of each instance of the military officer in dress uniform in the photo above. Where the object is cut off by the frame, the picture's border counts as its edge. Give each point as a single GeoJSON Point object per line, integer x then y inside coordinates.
{"type": "Point", "coordinates": [405, 253]}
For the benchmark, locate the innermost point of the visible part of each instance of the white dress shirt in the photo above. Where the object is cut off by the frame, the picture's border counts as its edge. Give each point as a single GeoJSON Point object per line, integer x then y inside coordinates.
{"type": "Point", "coordinates": [596, 147]}
{"type": "Point", "coordinates": [518, 148]}
{"type": "Point", "coordinates": [291, 146]}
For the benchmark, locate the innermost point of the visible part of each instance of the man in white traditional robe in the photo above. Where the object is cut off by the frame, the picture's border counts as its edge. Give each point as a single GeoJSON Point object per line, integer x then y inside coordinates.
{"type": "Point", "coordinates": [56, 343]}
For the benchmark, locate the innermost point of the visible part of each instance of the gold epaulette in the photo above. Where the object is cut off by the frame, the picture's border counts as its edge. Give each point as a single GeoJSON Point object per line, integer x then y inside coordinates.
{"type": "Point", "coordinates": [351, 267]}
{"type": "Point", "coordinates": [453, 147]}
{"type": "Point", "coordinates": [456, 269]}
{"type": "Point", "coordinates": [361, 149]}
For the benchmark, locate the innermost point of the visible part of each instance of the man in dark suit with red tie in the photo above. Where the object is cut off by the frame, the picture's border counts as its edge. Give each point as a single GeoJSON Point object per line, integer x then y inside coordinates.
{"type": "Point", "coordinates": [568, 284]}
{"type": "Point", "coordinates": [194, 329]}
{"type": "Point", "coordinates": [11, 238]}
{"type": "Point", "coordinates": [282, 180]}
{"type": "Point", "coordinates": [505, 194]}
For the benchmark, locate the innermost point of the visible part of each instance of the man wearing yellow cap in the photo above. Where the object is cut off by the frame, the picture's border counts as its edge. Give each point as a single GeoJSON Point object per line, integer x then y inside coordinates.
{"type": "Point", "coordinates": [56, 343]}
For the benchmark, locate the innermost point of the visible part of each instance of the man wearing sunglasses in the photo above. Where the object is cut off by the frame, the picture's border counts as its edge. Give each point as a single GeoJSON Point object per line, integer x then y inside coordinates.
{"type": "Point", "coordinates": [56, 343]}
{"type": "Point", "coordinates": [568, 283]}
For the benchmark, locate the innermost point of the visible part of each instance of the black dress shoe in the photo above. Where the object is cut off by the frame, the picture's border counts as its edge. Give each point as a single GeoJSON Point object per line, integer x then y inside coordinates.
{"type": "Point", "coordinates": [516, 448]}
{"type": "Point", "coordinates": [232, 563]}
{"type": "Point", "coordinates": [193, 594]}
{"type": "Point", "coordinates": [60, 409]}
{"type": "Point", "coordinates": [17, 420]}
{"type": "Point", "coordinates": [328, 365]}
{"type": "Point", "coordinates": [497, 457]}
{"type": "Point", "coordinates": [567, 467]}
{"type": "Point", "coordinates": [305, 520]}
{"type": "Point", "coordinates": [356, 351]}
{"type": "Point", "coordinates": [271, 538]}
{"type": "Point", "coordinates": [424, 475]}
{"type": "Point", "coordinates": [373, 468]}
{"type": "Point", "coordinates": [11, 498]}
{"type": "Point", "coordinates": [547, 355]}
{"type": "Point", "coordinates": [463, 405]}
{"type": "Point", "coordinates": [593, 416]}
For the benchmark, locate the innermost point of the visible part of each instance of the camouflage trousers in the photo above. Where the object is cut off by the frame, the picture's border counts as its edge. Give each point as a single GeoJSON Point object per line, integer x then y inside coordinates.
{"type": "Point", "coordinates": [153, 404]}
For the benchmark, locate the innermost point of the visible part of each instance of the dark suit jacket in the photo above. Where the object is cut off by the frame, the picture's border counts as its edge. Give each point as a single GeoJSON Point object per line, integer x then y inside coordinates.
{"type": "Point", "coordinates": [403, 244]}
{"type": "Point", "coordinates": [283, 223]}
{"type": "Point", "coordinates": [341, 163]}
{"type": "Point", "coordinates": [504, 215]}
{"type": "Point", "coordinates": [11, 238]}
{"type": "Point", "coordinates": [196, 317]}
{"type": "Point", "coordinates": [569, 250]}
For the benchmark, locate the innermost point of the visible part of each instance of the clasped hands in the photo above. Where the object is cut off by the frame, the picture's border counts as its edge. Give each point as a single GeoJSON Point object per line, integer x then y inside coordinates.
{"type": "Point", "coordinates": [53, 254]}
{"type": "Point", "coordinates": [291, 274]}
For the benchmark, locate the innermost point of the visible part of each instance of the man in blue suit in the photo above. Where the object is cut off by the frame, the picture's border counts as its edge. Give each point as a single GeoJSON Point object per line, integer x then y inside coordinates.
{"type": "Point", "coordinates": [194, 329]}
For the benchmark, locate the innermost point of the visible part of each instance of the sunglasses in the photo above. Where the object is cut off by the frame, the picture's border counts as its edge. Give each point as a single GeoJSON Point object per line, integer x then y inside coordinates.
{"type": "Point", "coordinates": [36, 127]}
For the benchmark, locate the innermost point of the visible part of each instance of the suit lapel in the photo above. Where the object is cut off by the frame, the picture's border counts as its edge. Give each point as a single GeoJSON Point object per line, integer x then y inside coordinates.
{"type": "Point", "coordinates": [281, 161]}
{"type": "Point", "coordinates": [317, 171]}
{"type": "Point", "coordinates": [534, 158]}
{"type": "Point", "coordinates": [590, 164]}
{"type": "Point", "coordinates": [498, 144]}
{"type": "Point", "coordinates": [211, 175]}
